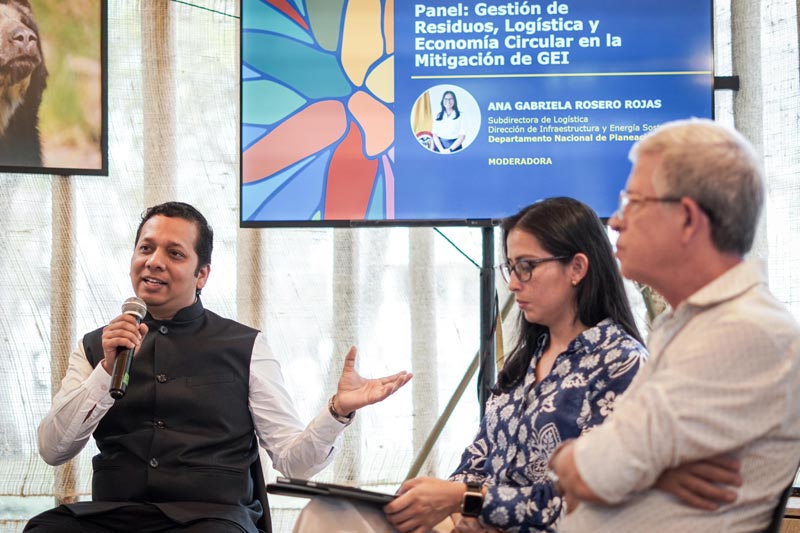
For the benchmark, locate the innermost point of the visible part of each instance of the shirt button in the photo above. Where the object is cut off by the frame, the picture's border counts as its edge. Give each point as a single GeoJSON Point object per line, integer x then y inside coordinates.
{"type": "Point", "coordinates": [161, 378]}
{"type": "Point", "coordinates": [154, 462]}
{"type": "Point", "coordinates": [160, 424]}
{"type": "Point", "coordinates": [163, 330]}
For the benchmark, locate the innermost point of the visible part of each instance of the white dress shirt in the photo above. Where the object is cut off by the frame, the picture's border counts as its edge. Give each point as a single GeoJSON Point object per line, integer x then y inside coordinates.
{"type": "Point", "coordinates": [449, 127]}
{"type": "Point", "coordinates": [296, 450]}
{"type": "Point", "coordinates": [723, 377]}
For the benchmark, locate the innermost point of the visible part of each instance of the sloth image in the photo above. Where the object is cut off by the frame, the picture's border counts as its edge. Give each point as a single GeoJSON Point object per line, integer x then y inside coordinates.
{"type": "Point", "coordinates": [22, 81]}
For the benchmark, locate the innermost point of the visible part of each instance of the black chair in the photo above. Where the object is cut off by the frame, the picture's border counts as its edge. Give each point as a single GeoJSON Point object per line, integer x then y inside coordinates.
{"type": "Point", "coordinates": [260, 493]}
{"type": "Point", "coordinates": [777, 515]}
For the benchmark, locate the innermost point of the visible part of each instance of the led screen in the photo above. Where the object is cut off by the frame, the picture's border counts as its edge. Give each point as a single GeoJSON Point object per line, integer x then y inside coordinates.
{"type": "Point", "coordinates": [359, 112]}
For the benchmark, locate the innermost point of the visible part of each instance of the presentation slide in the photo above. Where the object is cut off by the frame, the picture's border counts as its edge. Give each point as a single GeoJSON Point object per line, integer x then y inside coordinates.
{"type": "Point", "coordinates": [456, 112]}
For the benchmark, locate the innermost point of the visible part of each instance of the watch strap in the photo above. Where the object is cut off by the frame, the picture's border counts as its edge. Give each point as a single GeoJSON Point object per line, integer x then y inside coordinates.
{"type": "Point", "coordinates": [472, 503]}
{"type": "Point", "coordinates": [342, 419]}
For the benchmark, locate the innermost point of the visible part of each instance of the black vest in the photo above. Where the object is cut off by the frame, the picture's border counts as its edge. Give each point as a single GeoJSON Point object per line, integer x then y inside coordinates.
{"type": "Point", "coordinates": [183, 432]}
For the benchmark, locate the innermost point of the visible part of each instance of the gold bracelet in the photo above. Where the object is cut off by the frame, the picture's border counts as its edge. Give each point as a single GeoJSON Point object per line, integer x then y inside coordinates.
{"type": "Point", "coordinates": [339, 418]}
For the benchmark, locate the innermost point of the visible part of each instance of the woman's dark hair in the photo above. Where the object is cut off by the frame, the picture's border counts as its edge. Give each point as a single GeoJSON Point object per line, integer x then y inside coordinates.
{"type": "Point", "coordinates": [205, 235]}
{"type": "Point", "coordinates": [564, 226]}
{"type": "Point", "coordinates": [455, 105]}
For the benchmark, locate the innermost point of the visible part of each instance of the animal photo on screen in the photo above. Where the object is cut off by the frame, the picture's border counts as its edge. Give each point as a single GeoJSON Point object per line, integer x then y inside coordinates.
{"type": "Point", "coordinates": [22, 82]}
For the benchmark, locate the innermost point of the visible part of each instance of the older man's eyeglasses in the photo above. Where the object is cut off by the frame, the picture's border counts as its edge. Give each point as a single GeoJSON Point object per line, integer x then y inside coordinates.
{"type": "Point", "coordinates": [626, 199]}
{"type": "Point", "coordinates": [524, 267]}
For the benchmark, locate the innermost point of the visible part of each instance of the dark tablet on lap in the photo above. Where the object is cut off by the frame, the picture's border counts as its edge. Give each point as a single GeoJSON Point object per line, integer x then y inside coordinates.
{"type": "Point", "coordinates": [308, 489]}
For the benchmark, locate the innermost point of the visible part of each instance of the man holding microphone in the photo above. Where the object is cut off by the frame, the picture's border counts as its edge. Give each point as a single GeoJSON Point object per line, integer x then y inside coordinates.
{"type": "Point", "coordinates": [175, 451]}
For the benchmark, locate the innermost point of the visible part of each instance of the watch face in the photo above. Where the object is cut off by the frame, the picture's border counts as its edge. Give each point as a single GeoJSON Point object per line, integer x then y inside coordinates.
{"type": "Point", "coordinates": [473, 502]}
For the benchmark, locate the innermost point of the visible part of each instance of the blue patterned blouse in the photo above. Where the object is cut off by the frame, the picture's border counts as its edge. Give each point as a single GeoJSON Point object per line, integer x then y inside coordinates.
{"type": "Point", "coordinates": [521, 428]}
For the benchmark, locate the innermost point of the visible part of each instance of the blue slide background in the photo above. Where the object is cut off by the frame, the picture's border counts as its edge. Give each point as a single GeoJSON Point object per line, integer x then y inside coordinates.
{"type": "Point", "coordinates": [667, 39]}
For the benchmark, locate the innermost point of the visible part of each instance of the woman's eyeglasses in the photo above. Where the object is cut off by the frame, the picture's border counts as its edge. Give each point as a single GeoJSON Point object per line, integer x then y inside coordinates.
{"type": "Point", "coordinates": [524, 267]}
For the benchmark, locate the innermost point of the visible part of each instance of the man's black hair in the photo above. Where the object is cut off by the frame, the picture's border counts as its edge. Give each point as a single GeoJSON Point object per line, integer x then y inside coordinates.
{"type": "Point", "coordinates": [205, 235]}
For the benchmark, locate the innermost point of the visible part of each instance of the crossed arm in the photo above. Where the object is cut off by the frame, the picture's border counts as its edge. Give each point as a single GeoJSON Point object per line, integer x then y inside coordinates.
{"type": "Point", "coordinates": [675, 431]}
{"type": "Point", "coordinates": [704, 484]}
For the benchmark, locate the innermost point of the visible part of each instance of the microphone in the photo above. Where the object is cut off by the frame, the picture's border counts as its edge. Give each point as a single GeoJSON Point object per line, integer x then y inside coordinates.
{"type": "Point", "coordinates": [122, 363]}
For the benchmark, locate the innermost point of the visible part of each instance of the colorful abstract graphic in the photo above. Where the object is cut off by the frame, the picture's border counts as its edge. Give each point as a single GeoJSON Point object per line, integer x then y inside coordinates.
{"type": "Point", "coordinates": [317, 110]}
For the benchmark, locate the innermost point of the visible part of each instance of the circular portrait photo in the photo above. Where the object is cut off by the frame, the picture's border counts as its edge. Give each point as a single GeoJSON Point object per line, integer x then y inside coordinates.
{"type": "Point", "coordinates": [445, 119]}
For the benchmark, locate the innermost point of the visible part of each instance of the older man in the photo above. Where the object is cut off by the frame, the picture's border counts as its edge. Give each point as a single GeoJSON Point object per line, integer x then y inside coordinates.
{"type": "Point", "coordinates": [724, 370]}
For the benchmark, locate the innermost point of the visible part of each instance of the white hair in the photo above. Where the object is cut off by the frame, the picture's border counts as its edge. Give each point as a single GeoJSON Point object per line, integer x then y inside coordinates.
{"type": "Point", "coordinates": [715, 166]}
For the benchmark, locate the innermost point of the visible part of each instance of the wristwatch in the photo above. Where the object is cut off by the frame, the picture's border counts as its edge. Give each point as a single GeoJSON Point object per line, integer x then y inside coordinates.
{"type": "Point", "coordinates": [342, 419]}
{"type": "Point", "coordinates": [473, 500]}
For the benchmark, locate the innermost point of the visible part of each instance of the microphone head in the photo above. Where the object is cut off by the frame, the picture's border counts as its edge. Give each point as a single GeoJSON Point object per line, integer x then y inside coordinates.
{"type": "Point", "coordinates": [134, 306]}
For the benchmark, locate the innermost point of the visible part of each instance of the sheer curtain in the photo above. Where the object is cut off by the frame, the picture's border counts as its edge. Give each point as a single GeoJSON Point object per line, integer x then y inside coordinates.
{"type": "Point", "coordinates": [408, 298]}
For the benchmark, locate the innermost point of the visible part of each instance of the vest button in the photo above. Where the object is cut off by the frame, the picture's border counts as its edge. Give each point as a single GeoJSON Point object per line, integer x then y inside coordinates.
{"type": "Point", "coordinates": [154, 462]}
{"type": "Point", "coordinates": [163, 330]}
{"type": "Point", "coordinates": [161, 378]}
{"type": "Point", "coordinates": [160, 424]}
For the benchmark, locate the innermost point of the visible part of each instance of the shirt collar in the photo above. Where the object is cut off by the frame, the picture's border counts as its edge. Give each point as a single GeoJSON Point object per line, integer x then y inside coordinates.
{"type": "Point", "coordinates": [187, 314]}
{"type": "Point", "coordinates": [588, 340]}
{"type": "Point", "coordinates": [731, 284]}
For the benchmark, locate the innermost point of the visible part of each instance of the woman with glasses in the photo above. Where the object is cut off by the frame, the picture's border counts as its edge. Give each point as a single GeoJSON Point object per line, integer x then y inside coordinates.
{"type": "Point", "coordinates": [578, 349]}
{"type": "Point", "coordinates": [448, 128]}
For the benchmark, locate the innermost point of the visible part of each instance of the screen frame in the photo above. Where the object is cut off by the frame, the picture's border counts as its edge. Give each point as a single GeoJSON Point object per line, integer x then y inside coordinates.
{"type": "Point", "coordinates": [103, 141]}
{"type": "Point", "coordinates": [363, 223]}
